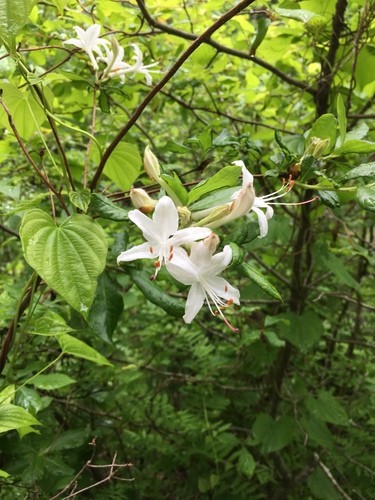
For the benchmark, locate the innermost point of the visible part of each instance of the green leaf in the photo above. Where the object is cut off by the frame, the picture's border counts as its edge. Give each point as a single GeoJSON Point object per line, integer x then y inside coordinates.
{"type": "Point", "coordinates": [81, 199]}
{"type": "Point", "coordinates": [364, 170]}
{"type": "Point", "coordinates": [273, 435]}
{"type": "Point", "coordinates": [329, 198]}
{"type": "Point", "coordinates": [177, 187]}
{"type": "Point", "coordinates": [301, 330]}
{"type": "Point", "coordinates": [297, 14]}
{"type": "Point", "coordinates": [105, 208]}
{"type": "Point", "coordinates": [15, 417]}
{"type": "Point", "coordinates": [325, 127]}
{"type": "Point", "coordinates": [106, 308]}
{"type": "Point", "coordinates": [341, 116]}
{"type": "Point", "coordinates": [366, 197]}
{"type": "Point", "coordinates": [354, 146]}
{"type": "Point", "coordinates": [13, 16]}
{"type": "Point", "coordinates": [219, 197]}
{"type": "Point", "coordinates": [69, 257]}
{"type": "Point", "coordinates": [325, 407]}
{"type": "Point", "coordinates": [47, 322]}
{"type": "Point", "coordinates": [27, 114]}
{"type": "Point", "coordinates": [318, 431]}
{"type": "Point", "coordinates": [4, 474]}
{"type": "Point", "coordinates": [246, 463]}
{"type": "Point", "coordinates": [261, 23]}
{"type": "Point", "coordinates": [334, 265]}
{"type": "Point", "coordinates": [124, 165]}
{"type": "Point", "coordinates": [157, 296]}
{"type": "Point", "coordinates": [261, 281]}
{"type": "Point", "coordinates": [226, 177]}
{"type": "Point", "coordinates": [75, 347]}
{"type": "Point", "coordinates": [7, 394]}
{"type": "Point", "coordinates": [52, 381]}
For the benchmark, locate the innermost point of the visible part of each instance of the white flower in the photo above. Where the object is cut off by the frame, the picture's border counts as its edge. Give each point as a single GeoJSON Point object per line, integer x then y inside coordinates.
{"type": "Point", "coordinates": [201, 270]}
{"type": "Point", "coordinates": [261, 201]}
{"type": "Point", "coordinates": [117, 67]}
{"type": "Point", "coordinates": [162, 234]}
{"type": "Point", "coordinates": [90, 42]}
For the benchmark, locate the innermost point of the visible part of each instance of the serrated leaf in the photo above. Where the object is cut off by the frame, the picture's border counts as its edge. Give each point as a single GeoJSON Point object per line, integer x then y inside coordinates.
{"type": "Point", "coordinates": [364, 170]}
{"type": "Point", "coordinates": [366, 197]}
{"type": "Point", "coordinates": [226, 177]}
{"type": "Point", "coordinates": [156, 295]}
{"type": "Point", "coordinates": [69, 257]}
{"type": "Point", "coordinates": [15, 417]}
{"type": "Point", "coordinates": [124, 165]}
{"type": "Point", "coordinates": [52, 381]}
{"type": "Point", "coordinates": [75, 347]}
{"type": "Point", "coordinates": [105, 208]}
{"type": "Point", "coordinates": [81, 199]}
{"type": "Point", "coordinates": [273, 434]}
{"type": "Point", "coordinates": [261, 281]}
{"type": "Point", "coordinates": [26, 113]}
{"type": "Point", "coordinates": [106, 308]}
{"type": "Point", "coordinates": [325, 407]}
{"type": "Point", "coordinates": [246, 463]}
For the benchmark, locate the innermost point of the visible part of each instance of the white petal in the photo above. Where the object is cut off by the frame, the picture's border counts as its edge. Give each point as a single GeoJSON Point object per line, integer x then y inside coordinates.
{"type": "Point", "coordinates": [247, 177]}
{"type": "Point", "coordinates": [194, 302]}
{"type": "Point", "coordinates": [149, 229]}
{"type": "Point", "coordinates": [165, 218]}
{"type": "Point", "coordinates": [138, 252]}
{"type": "Point", "coordinates": [189, 234]}
{"type": "Point", "coordinates": [201, 256]}
{"type": "Point", "coordinates": [262, 221]}
{"type": "Point", "coordinates": [220, 261]}
{"type": "Point", "coordinates": [74, 41]}
{"type": "Point", "coordinates": [224, 290]}
{"type": "Point", "coordinates": [182, 269]}
{"type": "Point", "coordinates": [92, 34]}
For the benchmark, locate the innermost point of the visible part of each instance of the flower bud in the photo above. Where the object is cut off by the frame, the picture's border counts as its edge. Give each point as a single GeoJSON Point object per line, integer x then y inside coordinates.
{"type": "Point", "coordinates": [322, 145]}
{"type": "Point", "coordinates": [151, 164]}
{"type": "Point", "coordinates": [184, 215]}
{"type": "Point", "coordinates": [142, 200]}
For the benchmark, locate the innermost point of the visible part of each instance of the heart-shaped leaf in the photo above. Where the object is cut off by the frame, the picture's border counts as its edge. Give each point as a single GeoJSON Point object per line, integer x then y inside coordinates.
{"type": "Point", "coordinates": [69, 257]}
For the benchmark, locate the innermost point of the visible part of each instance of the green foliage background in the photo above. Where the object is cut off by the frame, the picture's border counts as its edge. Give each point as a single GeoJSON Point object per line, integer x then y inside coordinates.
{"type": "Point", "coordinates": [283, 409]}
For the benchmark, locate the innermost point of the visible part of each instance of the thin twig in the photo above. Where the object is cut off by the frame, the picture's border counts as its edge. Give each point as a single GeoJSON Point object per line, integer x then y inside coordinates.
{"type": "Point", "coordinates": [180, 61]}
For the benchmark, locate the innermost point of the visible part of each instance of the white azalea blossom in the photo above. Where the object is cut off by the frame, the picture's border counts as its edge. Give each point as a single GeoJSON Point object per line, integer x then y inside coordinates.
{"type": "Point", "coordinates": [164, 239]}
{"type": "Point", "coordinates": [261, 201]}
{"type": "Point", "coordinates": [117, 67]}
{"type": "Point", "coordinates": [90, 42]}
{"type": "Point", "coordinates": [201, 271]}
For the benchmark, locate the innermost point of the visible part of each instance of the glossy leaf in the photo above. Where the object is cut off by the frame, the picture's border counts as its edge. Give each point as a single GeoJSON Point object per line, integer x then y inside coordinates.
{"type": "Point", "coordinates": [261, 281]}
{"type": "Point", "coordinates": [366, 197]}
{"type": "Point", "coordinates": [157, 295]}
{"type": "Point", "coordinates": [15, 417]}
{"type": "Point", "coordinates": [105, 208]}
{"type": "Point", "coordinates": [52, 381]}
{"type": "Point", "coordinates": [75, 347]}
{"type": "Point", "coordinates": [325, 127]}
{"type": "Point", "coordinates": [354, 146]}
{"type": "Point", "coordinates": [69, 257]}
{"type": "Point", "coordinates": [106, 308]}
{"type": "Point", "coordinates": [364, 170]}
{"type": "Point", "coordinates": [80, 199]}
{"type": "Point", "coordinates": [226, 177]}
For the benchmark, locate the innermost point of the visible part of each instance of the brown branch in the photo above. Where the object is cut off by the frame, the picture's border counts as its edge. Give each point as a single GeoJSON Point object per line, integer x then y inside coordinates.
{"type": "Point", "coordinates": [329, 475]}
{"type": "Point", "coordinates": [180, 61]}
{"type": "Point", "coordinates": [30, 159]}
{"type": "Point", "coordinates": [327, 74]}
{"type": "Point", "coordinates": [226, 50]}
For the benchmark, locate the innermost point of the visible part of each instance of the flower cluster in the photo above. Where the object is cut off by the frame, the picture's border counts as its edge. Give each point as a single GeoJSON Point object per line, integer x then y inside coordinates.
{"type": "Point", "coordinates": [199, 267]}
{"type": "Point", "coordinates": [111, 53]}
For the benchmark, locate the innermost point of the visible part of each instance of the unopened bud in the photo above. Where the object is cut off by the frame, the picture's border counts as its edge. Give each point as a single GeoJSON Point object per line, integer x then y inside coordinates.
{"type": "Point", "coordinates": [184, 215]}
{"type": "Point", "coordinates": [322, 145]}
{"type": "Point", "coordinates": [212, 242]}
{"type": "Point", "coordinates": [151, 164]}
{"type": "Point", "coordinates": [142, 200]}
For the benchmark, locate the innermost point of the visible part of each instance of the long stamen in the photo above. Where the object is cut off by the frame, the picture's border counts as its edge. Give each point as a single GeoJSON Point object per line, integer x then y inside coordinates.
{"type": "Point", "coordinates": [297, 202]}
{"type": "Point", "coordinates": [219, 306]}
